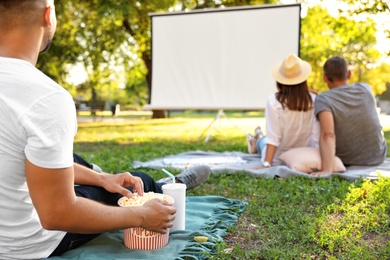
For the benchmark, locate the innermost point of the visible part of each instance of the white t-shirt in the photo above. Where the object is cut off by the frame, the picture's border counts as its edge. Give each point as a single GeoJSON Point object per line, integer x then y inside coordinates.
{"type": "Point", "coordinates": [288, 129]}
{"type": "Point", "coordinates": [38, 122]}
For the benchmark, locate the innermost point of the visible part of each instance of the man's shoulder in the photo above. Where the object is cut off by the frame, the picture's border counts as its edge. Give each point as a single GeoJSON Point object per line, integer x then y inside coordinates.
{"type": "Point", "coordinates": [14, 68]}
{"type": "Point", "coordinates": [361, 85]}
{"type": "Point", "coordinates": [323, 96]}
{"type": "Point", "coordinates": [334, 91]}
{"type": "Point", "coordinates": [324, 101]}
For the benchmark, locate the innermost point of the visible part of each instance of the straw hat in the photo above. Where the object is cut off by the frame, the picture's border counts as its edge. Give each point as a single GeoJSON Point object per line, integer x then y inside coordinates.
{"type": "Point", "coordinates": [291, 71]}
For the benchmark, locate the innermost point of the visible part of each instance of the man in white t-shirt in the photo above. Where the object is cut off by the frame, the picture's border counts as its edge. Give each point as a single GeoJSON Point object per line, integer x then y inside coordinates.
{"type": "Point", "coordinates": [42, 212]}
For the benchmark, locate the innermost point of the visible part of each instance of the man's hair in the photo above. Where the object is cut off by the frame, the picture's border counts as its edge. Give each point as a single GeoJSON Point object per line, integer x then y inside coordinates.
{"type": "Point", "coordinates": [16, 3]}
{"type": "Point", "coordinates": [15, 12]}
{"type": "Point", "coordinates": [336, 68]}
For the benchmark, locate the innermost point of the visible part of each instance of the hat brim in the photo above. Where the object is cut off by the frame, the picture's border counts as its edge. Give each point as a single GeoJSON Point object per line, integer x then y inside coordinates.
{"type": "Point", "coordinates": [303, 75]}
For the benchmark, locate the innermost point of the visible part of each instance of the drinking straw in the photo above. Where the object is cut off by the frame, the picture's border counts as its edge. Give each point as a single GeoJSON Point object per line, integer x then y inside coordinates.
{"type": "Point", "coordinates": [170, 175]}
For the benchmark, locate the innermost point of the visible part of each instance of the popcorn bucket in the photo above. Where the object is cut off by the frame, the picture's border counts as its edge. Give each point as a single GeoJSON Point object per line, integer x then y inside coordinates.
{"type": "Point", "coordinates": [140, 238]}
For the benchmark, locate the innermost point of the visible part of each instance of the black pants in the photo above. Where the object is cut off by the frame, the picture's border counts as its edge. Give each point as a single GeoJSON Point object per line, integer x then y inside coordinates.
{"type": "Point", "coordinates": [78, 159]}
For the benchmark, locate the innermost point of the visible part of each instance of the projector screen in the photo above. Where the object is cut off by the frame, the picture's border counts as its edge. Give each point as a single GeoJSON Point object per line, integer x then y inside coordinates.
{"type": "Point", "coordinates": [220, 58]}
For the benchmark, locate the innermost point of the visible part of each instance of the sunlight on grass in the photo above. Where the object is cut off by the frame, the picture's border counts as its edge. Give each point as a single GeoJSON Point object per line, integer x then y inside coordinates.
{"type": "Point", "coordinates": [293, 218]}
{"type": "Point", "coordinates": [363, 213]}
{"type": "Point", "coordinates": [160, 129]}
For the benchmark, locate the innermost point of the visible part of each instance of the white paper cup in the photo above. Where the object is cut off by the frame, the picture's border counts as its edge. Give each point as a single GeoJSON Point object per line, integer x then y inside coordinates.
{"type": "Point", "coordinates": [178, 192]}
{"type": "Point", "coordinates": [140, 238]}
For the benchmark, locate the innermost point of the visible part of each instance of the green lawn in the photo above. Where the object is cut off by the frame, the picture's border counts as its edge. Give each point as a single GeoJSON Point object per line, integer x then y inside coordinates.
{"type": "Point", "coordinates": [295, 218]}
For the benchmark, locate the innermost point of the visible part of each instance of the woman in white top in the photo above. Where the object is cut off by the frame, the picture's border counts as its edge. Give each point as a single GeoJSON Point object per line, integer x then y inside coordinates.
{"type": "Point", "coordinates": [289, 113]}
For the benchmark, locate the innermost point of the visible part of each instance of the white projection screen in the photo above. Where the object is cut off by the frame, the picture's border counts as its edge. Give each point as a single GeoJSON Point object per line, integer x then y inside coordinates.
{"type": "Point", "coordinates": [220, 58]}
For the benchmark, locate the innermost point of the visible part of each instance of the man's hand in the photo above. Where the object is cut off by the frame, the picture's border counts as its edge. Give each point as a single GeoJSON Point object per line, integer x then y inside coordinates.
{"type": "Point", "coordinates": [160, 215]}
{"type": "Point", "coordinates": [116, 183]}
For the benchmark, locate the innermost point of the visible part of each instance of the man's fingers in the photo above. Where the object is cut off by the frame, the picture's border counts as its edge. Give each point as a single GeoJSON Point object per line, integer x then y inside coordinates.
{"type": "Point", "coordinates": [125, 192]}
{"type": "Point", "coordinates": [138, 184]}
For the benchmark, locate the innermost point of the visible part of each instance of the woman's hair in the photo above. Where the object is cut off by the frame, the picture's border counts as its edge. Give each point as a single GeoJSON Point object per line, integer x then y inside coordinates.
{"type": "Point", "coordinates": [294, 97]}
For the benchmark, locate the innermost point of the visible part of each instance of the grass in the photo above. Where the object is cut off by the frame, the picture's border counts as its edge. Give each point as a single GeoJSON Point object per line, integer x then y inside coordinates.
{"type": "Point", "coordinates": [294, 218]}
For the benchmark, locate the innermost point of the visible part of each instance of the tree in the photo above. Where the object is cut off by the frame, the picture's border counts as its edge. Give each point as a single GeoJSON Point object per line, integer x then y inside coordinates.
{"type": "Point", "coordinates": [136, 22]}
{"type": "Point", "coordinates": [65, 49]}
{"type": "Point", "coordinates": [86, 34]}
{"type": "Point", "coordinates": [379, 79]}
{"type": "Point", "coordinates": [372, 6]}
{"type": "Point", "coordinates": [111, 39]}
{"type": "Point", "coordinates": [324, 36]}
{"type": "Point", "coordinates": [106, 35]}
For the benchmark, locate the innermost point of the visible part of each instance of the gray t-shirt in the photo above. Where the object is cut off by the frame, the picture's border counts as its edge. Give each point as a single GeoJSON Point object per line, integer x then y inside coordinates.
{"type": "Point", "coordinates": [359, 135]}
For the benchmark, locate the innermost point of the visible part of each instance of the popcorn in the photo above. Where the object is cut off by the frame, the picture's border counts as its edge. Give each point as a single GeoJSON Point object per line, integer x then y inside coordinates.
{"type": "Point", "coordinates": [137, 200]}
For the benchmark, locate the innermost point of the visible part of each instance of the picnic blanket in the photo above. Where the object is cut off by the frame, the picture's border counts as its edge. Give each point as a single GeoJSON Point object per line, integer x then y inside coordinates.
{"type": "Point", "coordinates": [242, 162]}
{"type": "Point", "coordinates": [208, 216]}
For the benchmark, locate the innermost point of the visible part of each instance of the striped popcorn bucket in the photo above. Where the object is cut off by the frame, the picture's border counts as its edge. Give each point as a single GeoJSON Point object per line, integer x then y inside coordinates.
{"type": "Point", "coordinates": [141, 239]}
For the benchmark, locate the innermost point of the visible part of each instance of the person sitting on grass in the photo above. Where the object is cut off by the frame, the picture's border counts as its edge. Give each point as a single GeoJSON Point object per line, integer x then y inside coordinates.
{"type": "Point", "coordinates": [289, 114]}
{"type": "Point", "coordinates": [43, 213]}
{"type": "Point", "coordinates": [349, 121]}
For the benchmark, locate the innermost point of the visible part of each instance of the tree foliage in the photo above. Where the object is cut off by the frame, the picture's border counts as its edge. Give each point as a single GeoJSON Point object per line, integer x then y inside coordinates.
{"type": "Point", "coordinates": [379, 79]}
{"type": "Point", "coordinates": [368, 6]}
{"type": "Point", "coordinates": [89, 35]}
{"type": "Point", "coordinates": [323, 36]}
{"type": "Point", "coordinates": [111, 41]}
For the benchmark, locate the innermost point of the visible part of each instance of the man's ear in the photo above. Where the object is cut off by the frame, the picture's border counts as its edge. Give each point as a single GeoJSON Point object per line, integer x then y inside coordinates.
{"type": "Point", "coordinates": [349, 74]}
{"type": "Point", "coordinates": [48, 13]}
{"type": "Point", "coordinates": [325, 78]}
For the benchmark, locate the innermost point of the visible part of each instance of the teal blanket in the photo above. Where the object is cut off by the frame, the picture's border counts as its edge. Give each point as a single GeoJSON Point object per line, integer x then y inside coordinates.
{"type": "Point", "coordinates": [208, 216]}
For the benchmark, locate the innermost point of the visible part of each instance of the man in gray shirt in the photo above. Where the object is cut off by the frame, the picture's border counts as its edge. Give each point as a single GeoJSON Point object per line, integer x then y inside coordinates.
{"type": "Point", "coordinates": [350, 127]}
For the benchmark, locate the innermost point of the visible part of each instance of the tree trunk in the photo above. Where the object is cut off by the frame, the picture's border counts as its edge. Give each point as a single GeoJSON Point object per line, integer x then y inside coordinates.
{"type": "Point", "coordinates": [93, 100]}
{"type": "Point", "coordinates": [146, 57]}
{"type": "Point", "coordinates": [159, 114]}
